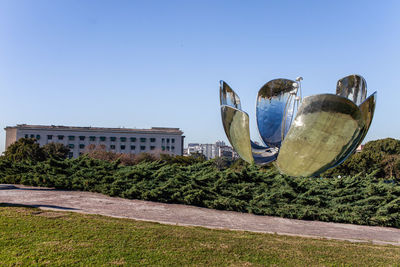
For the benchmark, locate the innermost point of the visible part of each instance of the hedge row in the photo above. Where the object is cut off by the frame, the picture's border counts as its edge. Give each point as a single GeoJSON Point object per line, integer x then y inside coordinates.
{"type": "Point", "coordinates": [360, 200]}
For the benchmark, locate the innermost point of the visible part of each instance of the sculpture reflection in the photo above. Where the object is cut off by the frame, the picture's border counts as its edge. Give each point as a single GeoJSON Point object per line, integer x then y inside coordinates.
{"type": "Point", "coordinates": [274, 110]}
{"type": "Point", "coordinates": [325, 131]}
{"type": "Point", "coordinates": [236, 126]}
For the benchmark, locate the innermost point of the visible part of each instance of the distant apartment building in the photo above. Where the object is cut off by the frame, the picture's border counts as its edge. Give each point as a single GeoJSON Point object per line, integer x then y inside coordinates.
{"type": "Point", "coordinates": [210, 151]}
{"type": "Point", "coordinates": [119, 140]}
{"type": "Point", "coordinates": [227, 152]}
{"type": "Point", "coordinates": [191, 149]}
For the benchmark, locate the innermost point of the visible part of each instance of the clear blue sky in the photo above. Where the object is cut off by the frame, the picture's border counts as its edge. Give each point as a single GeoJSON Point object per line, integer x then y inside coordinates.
{"type": "Point", "coordinates": [158, 63]}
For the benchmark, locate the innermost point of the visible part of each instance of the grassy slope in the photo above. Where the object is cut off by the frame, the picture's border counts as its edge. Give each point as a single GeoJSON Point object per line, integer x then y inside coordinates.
{"type": "Point", "coordinates": [31, 236]}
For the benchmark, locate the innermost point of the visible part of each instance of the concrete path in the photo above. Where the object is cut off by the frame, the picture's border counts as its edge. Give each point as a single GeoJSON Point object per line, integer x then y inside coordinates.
{"type": "Point", "coordinates": [94, 203]}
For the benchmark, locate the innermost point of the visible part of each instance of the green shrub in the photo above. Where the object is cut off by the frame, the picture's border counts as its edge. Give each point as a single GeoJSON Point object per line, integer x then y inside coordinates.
{"type": "Point", "coordinates": [362, 198]}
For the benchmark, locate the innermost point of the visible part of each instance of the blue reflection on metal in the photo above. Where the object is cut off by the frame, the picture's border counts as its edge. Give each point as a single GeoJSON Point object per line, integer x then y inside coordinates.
{"type": "Point", "coordinates": [263, 155]}
{"type": "Point", "coordinates": [275, 110]}
{"type": "Point", "coordinates": [228, 97]}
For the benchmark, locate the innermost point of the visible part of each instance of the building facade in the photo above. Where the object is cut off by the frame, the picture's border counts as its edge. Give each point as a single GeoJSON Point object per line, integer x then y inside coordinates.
{"type": "Point", "coordinates": [119, 140]}
{"type": "Point", "coordinates": [210, 151]}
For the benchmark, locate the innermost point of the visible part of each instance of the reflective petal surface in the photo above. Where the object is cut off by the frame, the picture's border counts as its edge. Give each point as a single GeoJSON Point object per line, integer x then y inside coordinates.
{"type": "Point", "coordinates": [228, 97]}
{"type": "Point", "coordinates": [367, 109]}
{"type": "Point", "coordinates": [325, 127]}
{"type": "Point", "coordinates": [263, 155]}
{"type": "Point", "coordinates": [272, 101]}
{"type": "Point", "coordinates": [326, 130]}
{"type": "Point", "coordinates": [353, 87]}
{"type": "Point", "coordinates": [236, 126]}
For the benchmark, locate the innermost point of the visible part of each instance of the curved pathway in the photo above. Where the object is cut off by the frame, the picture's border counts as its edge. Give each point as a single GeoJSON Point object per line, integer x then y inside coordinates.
{"type": "Point", "coordinates": [94, 203]}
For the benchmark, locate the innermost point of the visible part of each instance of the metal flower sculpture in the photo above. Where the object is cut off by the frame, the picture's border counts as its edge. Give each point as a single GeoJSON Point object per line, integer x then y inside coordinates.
{"type": "Point", "coordinates": [326, 128]}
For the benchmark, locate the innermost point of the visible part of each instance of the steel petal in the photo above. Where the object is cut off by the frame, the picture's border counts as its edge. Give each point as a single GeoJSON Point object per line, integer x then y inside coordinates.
{"type": "Point", "coordinates": [270, 108]}
{"type": "Point", "coordinates": [263, 155]}
{"type": "Point", "coordinates": [353, 87]}
{"type": "Point", "coordinates": [236, 126]}
{"type": "Point", "coordinates": [228, 97]}
{"type": "Point", "coordinates": [367, 109]}
{"type": "Point", "coordinates": [324, 128]}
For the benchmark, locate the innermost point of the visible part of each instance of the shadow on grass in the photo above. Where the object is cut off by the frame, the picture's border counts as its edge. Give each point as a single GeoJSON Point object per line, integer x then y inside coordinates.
{"type": "Point", "coordinates": [13, 205]}
{"type": "Point", "coordinates": [13, 187]}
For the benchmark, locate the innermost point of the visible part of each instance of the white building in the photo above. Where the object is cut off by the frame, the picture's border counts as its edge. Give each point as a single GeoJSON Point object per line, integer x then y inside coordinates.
{"type": "Point", "coordinates": [192, 148]}
{"type": "Point", "coordinates": [210, 151]}
{"type": "Point", "coordinates": [227, 151]}
{"type": "Point", "coordinates": [120, 140]}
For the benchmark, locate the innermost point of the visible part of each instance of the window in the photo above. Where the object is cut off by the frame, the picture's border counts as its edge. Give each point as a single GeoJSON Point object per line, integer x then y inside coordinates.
{"type": "Point", "coordinates": [71, 145]}
{"type": "Point", "coordinates": [102, 138]}
{"type": "Point", "coordinates": [82, 138]}
{"type": "Point", "coordinates": [133, 147]}
{"type": "Point", "coordinates": [38, 137]}
{"type": "Point", "coordinates": [113, 138]}
{"type": "Point", "coordinates": [167, 140]}
{"type": "Point", "coordinates": [133, 139]}
{"type": "Point", "coordinates": [142, 148]}
{"type": "Point", "coordinates": [142, 139]}
{"type": "Point", "coordinates": [60, 137]}
{"type": "Point", "coordinates": [81, 146]}
{"type": "Point", "coordinates": [70, 154]}
{"type": "Point", "coordinates": [152, 147]}
{"type": "Point", "coordinates": [173, 140]}
{"type": "Point", "coordinates": [123, 139]}
{"type": "Point", "coordinates": [167, 148]}
{"type": "Point", "coordinates": [163, 140]}
{"type": "Point", "coordinates": [152, 140]}
{"type": "Point", "coordinates": [122, 147]}
{"type": "Point", "coordinates": [112, 146]}
{"type": "Point", "coordinates": [32, 136]}
{"type": "Point", "coordinates": [92, 138]}
{"type": "Point", "coordinates": [172, 148]}
{"type": "Point", "coordinates": [71, 138]}
{"type": "Point", "coordinates": [49, 137]}
{"type": "Point", "coordinates": [26, 136]}
{"type": "Point", "coordinates": [163, 148]}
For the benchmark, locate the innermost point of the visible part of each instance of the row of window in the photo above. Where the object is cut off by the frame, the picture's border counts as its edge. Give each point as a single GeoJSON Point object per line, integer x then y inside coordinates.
{"type": "Point", "coordinates": [123, 147]}
{"type": "Point", "coordinates": [102, 138]}
{"type": "Point", "coordinates": [32, 136]}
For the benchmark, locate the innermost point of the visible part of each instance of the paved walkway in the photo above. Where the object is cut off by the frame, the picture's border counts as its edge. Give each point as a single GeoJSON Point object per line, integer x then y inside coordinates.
{"type": "Point", "coordinates": [94, 203]}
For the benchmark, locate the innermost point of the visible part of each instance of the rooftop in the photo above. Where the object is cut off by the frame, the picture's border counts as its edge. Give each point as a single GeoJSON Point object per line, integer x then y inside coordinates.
{"type": "Point", "coordinates": [77, 128]}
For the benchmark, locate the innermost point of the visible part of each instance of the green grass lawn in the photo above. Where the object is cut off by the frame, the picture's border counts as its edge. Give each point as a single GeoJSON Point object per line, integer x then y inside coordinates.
{"type": "Point", "coordinates": [30, 236]}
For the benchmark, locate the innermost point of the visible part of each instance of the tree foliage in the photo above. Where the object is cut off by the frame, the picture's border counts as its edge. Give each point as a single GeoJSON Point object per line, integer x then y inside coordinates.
{"type": "Point", "coordinates": [25, 149]}
{"type": "Point", "coordinates": [55, 150]}
{"type": "Point", "coordinates": [100, 152]}
{"type": "Point", "coordinates": [380, 156]}
{"type": "Point", "coordinates": [389, 146]}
